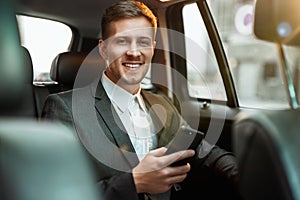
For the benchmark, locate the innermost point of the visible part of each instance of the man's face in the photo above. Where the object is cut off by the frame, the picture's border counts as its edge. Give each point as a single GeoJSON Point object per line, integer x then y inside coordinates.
{"type": "Point", "coordinates": [128, 51]}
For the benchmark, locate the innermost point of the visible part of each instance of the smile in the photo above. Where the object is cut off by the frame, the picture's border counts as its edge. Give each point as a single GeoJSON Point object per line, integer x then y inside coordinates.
{"type": "Point", "coordinates": [132, 65]}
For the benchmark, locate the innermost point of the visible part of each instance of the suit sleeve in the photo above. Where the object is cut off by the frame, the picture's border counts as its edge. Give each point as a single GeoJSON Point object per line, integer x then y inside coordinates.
{"type": "Point", "coordinates": [222, 167]}
{"type": "Point", "coordinates": [213, 164]}
{"type": "Point", "coordinates": [220, 162]}
{"type": "Point", "coordinates": [56, 110]}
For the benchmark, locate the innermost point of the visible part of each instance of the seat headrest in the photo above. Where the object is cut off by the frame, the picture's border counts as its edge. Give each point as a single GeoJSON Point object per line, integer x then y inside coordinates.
{"type": "Point", "coordinates": [65, 68]}
{"type": "Point", "coordinates": [27, 64]}
{"type": "Point", "coordinates": [39, 160]}
{"type": "Point", "coordinates": [267, 145]}
{"type": "Point", "coordinates": [12, 72]}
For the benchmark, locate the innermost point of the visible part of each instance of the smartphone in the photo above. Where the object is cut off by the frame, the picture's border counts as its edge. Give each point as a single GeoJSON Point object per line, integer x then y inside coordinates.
{"type": "Point", "coordinates": [186, 138]}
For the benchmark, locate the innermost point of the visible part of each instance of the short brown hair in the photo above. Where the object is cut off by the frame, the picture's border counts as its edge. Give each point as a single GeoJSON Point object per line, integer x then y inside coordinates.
{"type": "Point", "coordinates": [126, 9]}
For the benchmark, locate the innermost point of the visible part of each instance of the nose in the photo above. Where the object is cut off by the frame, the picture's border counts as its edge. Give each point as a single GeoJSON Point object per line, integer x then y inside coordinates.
{"type": "Point", "coordinates": [133, 52]}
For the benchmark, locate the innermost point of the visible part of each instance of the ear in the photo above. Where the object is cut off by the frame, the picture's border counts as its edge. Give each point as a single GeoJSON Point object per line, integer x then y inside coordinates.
{"type": "Point", "coordinates": [102, 49]}
{"type": "Point", "coordinates": [154, 44]}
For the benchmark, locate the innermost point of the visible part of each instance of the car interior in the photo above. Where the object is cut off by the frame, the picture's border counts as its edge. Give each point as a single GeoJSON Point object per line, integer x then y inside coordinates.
{"type": "Point", "coordinates": [230, 67]}
{"type": "Point", "coordinates": [270, 139]}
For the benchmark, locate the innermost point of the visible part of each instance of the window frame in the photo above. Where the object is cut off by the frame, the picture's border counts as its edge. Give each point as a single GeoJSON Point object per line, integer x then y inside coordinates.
{"type": "Point", "coordinates": [179, 64]}
{"type": "Point", "coordinates": [73, 40]}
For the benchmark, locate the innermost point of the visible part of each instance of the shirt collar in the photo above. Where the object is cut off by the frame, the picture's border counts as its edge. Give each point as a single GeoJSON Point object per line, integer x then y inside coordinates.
{"type": "Point", "coordinates": [118, 95]}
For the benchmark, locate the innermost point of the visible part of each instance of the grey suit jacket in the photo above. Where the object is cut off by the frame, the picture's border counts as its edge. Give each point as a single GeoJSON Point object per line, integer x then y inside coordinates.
{"type": "Point", "coordinates": [90, 113]}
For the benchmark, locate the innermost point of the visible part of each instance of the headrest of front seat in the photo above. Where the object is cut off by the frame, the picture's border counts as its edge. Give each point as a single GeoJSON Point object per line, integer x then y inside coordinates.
{"type": "Point", "coordinates": [65, 68]}
{"type": "Point", "coordinates": [27, 64]}
{"type": "Point", "coordinates": [39, 160]}
{"type": "Point", "coordinates": [12, 71]}
{"type": "Point", "coordinates": [267, 145]}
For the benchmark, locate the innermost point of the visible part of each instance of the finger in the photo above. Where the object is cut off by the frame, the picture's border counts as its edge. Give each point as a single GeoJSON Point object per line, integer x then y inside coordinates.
{"type": "Point", "coordinates": [186, 153]}
{"type": "Point", "coordinates": [180, 155]}
{"type": "Point", "coordinates": [158, 152]}
{"type": "Point", "coordinates": [176, 179]}
{"type": "Point", "coordinates": [178, 170]}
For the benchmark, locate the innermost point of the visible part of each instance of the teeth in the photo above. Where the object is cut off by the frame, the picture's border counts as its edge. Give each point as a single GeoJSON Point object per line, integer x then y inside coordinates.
{"type": "Point", "coordinates": [131, 65]}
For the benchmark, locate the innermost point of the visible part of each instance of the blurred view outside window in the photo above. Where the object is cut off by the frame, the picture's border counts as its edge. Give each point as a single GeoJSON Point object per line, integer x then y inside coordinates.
{"type": "Point", "coordinates": [254, 64]}
{"type": "Point", "coordinates": [204, 78]}
{"type": "Point", "coordinates": [44, 39]}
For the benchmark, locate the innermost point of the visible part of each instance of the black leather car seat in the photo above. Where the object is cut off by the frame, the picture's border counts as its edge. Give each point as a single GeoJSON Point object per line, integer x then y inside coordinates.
{"type": "Point", "coordinates": [43, 161]}
{"type": "Point", "coordinates": [267, 146]}
{"type": "Point", "coordinates": [70, 70]}
{"type": "Point", "coordinates": [76, 69]}
{"type": "Point", "coordinates": [26, 106]}
{"type": "Point", "coordinates": [37, 160]}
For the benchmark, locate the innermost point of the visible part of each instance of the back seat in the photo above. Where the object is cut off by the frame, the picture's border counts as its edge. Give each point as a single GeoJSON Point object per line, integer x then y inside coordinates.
{"type": "Point", "coordinates": [69, 70]}
{"type": "Point", "coordinates": [65, 68]}
{"type": "Point", "coordinates": [27, 106]}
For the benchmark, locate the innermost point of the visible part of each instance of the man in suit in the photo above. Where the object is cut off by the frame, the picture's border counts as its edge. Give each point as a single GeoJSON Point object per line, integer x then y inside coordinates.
{"type": "Point", "coordinates": [124, 128]}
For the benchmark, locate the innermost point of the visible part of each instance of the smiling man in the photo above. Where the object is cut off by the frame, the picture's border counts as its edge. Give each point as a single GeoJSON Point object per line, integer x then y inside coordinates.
{"type": "Point", "coordinates": [128, 51]}
{"type": "Point", "coordinates": [123, 127]}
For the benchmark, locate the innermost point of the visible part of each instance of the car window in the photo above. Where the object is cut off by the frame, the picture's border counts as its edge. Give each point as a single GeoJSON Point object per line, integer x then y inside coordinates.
{"type": "Point", "coordinates": [44, 39]}
{"type": "Point", "coordinates": [203, 75]}
{"type": "Point", "coordinates": [254, 64]}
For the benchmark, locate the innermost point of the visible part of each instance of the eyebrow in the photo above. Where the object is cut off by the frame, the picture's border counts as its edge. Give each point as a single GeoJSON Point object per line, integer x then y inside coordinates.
{"type": "Point", "coordinates": [126, 36]}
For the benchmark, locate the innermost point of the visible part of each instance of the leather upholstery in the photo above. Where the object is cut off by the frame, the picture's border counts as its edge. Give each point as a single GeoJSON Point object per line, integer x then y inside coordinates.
{"type": "Point", "coordinates": [82, 67]}
{"type": "Point", "coordinates": [27, 64]}
{"type": "Point", "coordinates": [267, 146]}
{"type": "Point", "coordinates": [43, 161]}
{"type": "Point", "coordinates": [11, 60]}
{"type": "Point", "coordinates": [26, 107]}
{"type": "Point", "coordinates": [37, 160]}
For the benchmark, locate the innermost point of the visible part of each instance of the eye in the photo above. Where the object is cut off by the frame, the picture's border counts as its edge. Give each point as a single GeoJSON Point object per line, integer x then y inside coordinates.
{"type": "Point", "coordinates": [145, 42]}
{"type": "Point", "coordinates": [121, 41]}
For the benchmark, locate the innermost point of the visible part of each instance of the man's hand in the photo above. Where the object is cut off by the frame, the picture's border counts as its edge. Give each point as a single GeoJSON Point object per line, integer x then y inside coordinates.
{"type": "Point", "coordinates": [155, 175]}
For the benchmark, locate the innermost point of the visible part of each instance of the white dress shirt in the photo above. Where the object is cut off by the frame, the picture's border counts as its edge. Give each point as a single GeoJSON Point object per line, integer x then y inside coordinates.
{"type": "Point", "coordinates": [133, 113]}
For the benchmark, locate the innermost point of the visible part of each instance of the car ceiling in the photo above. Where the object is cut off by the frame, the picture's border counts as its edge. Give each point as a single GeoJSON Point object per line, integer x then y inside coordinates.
{"type": "Point", "coordinates": [84, 15]}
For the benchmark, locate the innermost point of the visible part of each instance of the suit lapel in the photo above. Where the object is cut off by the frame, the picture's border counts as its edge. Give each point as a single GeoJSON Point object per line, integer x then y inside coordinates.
{"type": "Point", "coordinates": [116, 133]}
